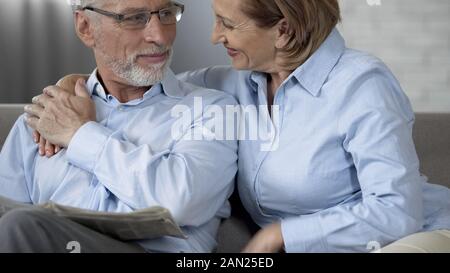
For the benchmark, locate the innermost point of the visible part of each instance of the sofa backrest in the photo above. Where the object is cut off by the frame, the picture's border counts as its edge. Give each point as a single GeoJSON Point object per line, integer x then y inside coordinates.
{"type": "Point", "coordinates": [432, 139]}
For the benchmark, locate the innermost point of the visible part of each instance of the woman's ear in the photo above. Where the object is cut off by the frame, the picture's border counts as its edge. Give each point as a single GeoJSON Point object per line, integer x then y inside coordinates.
{"type": "Point", "coordinates": [84, 28]}
{"type": "Point", "coordinates": [284, 34]}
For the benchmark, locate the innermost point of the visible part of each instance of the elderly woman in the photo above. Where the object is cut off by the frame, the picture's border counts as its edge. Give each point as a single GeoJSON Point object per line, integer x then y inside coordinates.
{"type": "Point", "coordinates": [342, 173]}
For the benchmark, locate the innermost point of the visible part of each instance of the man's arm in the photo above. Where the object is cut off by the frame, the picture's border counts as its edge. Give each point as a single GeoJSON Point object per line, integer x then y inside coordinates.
{"type": "Point", "coordinates": [17, 162]}
{"type": "Point", "coordinates": [222, 78]}
{"type": "Point", "coordinates": [192, 178]}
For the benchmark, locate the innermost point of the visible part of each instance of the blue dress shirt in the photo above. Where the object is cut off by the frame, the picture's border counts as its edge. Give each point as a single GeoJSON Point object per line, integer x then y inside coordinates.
{"type": "Point", "coordinates": [343, 170]}
{"type": "Point", "coordinates": [130, 160]}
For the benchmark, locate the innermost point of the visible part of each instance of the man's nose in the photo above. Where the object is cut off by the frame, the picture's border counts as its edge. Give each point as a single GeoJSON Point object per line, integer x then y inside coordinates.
{"type": "Point", "coordinates": [155, 32]}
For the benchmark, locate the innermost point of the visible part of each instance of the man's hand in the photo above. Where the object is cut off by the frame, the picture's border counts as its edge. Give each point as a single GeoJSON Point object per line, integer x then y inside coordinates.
{"type": "Point", "coordinates": [267, 240]}
{"type": "Point", "coordinates": [67, 83]}
{"type": "Point", "coordinates": [57, 115]}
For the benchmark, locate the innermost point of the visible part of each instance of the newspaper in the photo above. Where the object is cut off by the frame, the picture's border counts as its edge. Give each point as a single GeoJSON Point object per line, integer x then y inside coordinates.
{"type": "Point", "coordinates": [142, 224]}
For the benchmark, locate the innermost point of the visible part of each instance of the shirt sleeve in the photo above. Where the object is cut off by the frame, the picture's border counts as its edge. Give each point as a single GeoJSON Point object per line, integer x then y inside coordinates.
{"type": "Point", "coordinates": [376, 128]}
{"type": "Point", "coordinates": [223, 78]}
{"type": "Point", "coordinates": [193, 179]}
{"type": "Point", "coordinates": [17, 163]}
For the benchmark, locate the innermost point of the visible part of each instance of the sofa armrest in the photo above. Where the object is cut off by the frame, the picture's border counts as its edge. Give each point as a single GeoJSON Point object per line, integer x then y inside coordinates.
{"type": "Point", "coordinates": [8, 116]}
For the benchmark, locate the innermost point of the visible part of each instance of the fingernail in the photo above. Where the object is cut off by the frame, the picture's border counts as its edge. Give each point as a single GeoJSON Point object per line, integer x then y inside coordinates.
{"type": "Point", "coordinates": [41, 152]}
{"type": "Point", "coordinates": [56, 150]}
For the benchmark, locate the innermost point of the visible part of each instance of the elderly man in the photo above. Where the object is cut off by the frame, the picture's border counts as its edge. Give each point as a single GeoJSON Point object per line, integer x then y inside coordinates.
{"type": "Point", "coordinates": [121, 153]}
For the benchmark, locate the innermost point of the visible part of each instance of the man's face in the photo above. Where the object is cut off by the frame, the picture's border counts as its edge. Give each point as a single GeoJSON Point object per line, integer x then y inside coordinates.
{"type": "Point", "coordinates": [137, 56]}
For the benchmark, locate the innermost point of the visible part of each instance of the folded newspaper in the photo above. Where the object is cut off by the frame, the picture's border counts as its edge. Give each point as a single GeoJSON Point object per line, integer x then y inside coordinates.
{"type": "Point", "coordinates": [142, 224]}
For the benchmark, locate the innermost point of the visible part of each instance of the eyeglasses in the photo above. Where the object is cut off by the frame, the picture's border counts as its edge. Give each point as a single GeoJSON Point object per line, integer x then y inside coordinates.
{"type": "Point", "coordinates": [167, 16]}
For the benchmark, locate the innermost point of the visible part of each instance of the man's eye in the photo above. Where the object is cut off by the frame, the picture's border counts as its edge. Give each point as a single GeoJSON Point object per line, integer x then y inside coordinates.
{"type": "Point", "coordinates": [166, 13]}
{"type": "Point", "coordinates": [137, 18]}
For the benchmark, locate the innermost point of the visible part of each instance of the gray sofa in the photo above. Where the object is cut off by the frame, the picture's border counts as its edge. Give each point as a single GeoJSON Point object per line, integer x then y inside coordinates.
{"type": "Point", "coordinates": [431, 135]}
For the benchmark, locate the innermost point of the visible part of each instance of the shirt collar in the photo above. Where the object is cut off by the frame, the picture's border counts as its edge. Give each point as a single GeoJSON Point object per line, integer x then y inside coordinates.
{"type": "Point", "coordinates": [95, 88]}
{"type": "Point", "coordinates": [170, 85]}
{"type": "Point", "coordinates": [313, 73]}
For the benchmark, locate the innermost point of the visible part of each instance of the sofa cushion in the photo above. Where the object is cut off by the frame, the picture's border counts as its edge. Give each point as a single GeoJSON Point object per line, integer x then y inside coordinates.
{"type": "Point", "coordinates": [424, 242]}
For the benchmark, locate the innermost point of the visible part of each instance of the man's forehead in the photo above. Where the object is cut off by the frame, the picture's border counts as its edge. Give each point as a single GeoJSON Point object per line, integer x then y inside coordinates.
{"type": "Point", "coordinates": [137, 5]}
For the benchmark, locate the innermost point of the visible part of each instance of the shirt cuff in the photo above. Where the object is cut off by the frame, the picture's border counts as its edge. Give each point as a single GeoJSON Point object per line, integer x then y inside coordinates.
{"type": "Point", "coordinates": [87, 144]}
{"type": "Point", "coordinates": [303, 234]}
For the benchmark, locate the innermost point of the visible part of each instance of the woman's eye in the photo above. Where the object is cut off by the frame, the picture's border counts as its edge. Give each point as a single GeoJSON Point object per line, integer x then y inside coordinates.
{"type": "Point", "coordinates": [221, 22]}
{"type": "Point", "coordinates": [227, 26]}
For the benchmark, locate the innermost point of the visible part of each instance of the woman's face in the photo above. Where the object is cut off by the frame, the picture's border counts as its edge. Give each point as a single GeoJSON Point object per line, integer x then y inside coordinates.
{"type": "Point", "coordinates": [249, 46]}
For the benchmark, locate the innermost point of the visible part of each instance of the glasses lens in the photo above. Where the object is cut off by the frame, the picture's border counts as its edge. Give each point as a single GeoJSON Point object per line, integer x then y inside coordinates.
{"type": "Point", "coordinates": [170, 15]}
{"type": "Point", "coordinates": [134, 21]}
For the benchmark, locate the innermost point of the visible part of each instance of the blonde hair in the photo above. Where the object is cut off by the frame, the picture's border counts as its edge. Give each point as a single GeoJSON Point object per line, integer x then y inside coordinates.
{"type": "Point", "coordinates": [311, 21]}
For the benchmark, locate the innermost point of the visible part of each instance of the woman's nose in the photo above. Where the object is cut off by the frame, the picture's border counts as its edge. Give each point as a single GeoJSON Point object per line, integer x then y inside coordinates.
{"type": "Point", "coordinates": [217, 36]}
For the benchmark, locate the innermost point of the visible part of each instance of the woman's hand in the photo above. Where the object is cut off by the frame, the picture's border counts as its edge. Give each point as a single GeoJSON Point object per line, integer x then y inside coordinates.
{"type": "Point", "coordinates": [267, 240]}
{"type": "Point", "coordinates": [68, 82]}
{"type": "Point", "coordinates": [45, 147]}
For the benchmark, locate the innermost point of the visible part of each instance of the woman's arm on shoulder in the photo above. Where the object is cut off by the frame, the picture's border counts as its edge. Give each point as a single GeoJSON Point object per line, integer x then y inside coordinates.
{"type": "Point", "coordinates": [223, 78]}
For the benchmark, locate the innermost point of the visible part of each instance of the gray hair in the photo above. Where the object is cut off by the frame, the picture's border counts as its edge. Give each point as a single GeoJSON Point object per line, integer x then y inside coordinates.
{"type": "Point", "coordinates": [76, 4]}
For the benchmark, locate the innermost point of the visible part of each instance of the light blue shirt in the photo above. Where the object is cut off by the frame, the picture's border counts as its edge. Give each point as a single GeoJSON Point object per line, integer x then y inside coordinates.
{"type": "Point", "coordinates": [343, 170]}
{"type": "Point", "coordinates": [131, 160]}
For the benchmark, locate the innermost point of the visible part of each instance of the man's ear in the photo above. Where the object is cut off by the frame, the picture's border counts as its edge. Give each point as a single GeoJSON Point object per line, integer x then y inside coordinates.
{"type": "Point", "coordinates": [284, 33]}
{"type": "Point", "coordinates": [84, 28]}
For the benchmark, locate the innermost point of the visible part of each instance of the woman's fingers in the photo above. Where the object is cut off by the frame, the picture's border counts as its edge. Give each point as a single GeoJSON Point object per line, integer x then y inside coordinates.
{"type": "Point", "coordinates": [49, 149]}
{"type": "Point", "coordinates": [46, 148]}
{"type": "Point", "coordinates": [42, 142]}
{"type": "Point", "coordinates": [36, 137]}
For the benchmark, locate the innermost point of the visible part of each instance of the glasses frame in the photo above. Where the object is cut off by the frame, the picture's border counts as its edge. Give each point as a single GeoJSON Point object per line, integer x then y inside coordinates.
{"type": "Point", "coordinates": [121, 17]}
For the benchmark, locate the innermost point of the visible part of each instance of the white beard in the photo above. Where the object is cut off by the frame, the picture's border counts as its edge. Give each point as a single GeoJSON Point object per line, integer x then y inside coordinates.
{"type": "Point", "coordinates": [133, 73]}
